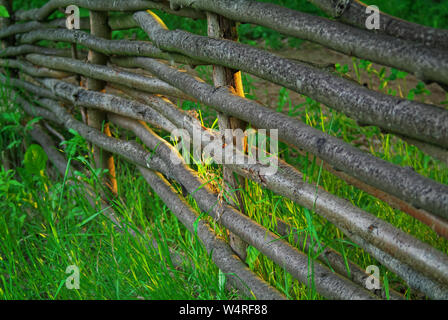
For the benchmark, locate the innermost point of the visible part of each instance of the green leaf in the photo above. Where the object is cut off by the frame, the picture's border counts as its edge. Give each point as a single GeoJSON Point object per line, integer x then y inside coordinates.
{"type": "Point", "coordinates": [4, 12]}
{"type": "Point", "coordinates": [35, 159]}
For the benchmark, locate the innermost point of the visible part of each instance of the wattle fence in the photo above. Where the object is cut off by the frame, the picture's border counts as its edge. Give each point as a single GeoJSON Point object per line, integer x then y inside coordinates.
{"type": "Point", "coordinates": [107, 81]}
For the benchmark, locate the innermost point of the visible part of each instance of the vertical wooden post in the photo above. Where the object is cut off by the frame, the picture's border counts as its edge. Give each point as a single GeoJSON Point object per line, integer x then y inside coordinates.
{"type": "Point", "coordinates": [222, 28]}
{"type": "Point", "coordinates": [4, 21]}
{"type": "Point", "coordinates": [97, 119]}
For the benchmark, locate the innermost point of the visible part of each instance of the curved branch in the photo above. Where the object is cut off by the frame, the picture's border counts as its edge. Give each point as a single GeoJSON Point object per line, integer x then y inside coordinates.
{"type": "Point", "coordinates": [239, 275]}
{"type": "Point", "coordinates": [30, 88]}
{"type": "Point", "coordinates": [355, 220]}
{"type": "Point", "coordinates": [327, 283]}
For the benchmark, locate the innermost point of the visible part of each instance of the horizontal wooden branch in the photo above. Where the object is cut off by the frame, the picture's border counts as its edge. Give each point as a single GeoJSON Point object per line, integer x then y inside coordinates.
{"type": "Point", "coordinates": [116, 22]}
{"type": "Point", "coordinates": [33, 110]}
{"type": "Point", "coordinates": [31, 69]}
{"type": "Point", "coordinates": [354, 13]}
{"type": "Point", "coordinates": [108, 47]}
{"type": "Point", "coordinates": [436, 223]}
{"type": "Point", "coordinates": [28, 87]}
{"type": "Point", "coordinates": [426, 63]}
{"type": "Point", "coordinates": [327, 283]}
{"type": "Point", "coordinates": [102, 5]}
{"type": "Point", "coordinates": [107, 210]}
{"type": "Point", "coordinates": [27, 48]}
{"type": "Point", "coordinates": [19, 28]}
{"type": "Point", "coordinates": [109, 74]}
{"type": "Point", "coordinates": [401, 182]}
{"type": "Point", "coordinates": [79, 96]}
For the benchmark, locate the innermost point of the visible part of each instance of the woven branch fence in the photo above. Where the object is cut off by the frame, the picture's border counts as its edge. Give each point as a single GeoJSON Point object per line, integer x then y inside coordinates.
{"type": "Point", "coordinates": [105, 82]}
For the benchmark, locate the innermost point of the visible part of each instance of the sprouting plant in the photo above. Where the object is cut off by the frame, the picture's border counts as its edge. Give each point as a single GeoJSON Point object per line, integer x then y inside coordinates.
{"type": "Point", "coordinates": [419, 91]}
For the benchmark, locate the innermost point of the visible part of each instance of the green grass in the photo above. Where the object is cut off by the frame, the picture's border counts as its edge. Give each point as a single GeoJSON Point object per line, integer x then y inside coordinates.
{"type": "Point", "coordinates": [46, 225]}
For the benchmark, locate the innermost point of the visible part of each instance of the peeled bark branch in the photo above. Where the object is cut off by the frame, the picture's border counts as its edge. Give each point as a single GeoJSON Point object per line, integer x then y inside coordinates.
{"type": "Point", "coordinates": [131, 80]}
{"type": "Point", "coordinates": [424, 62]}
{"type": "Point", "coordinates": [221, 28]}
{"type": "Point", "coordinates": [108, 47]}
{"type": "Point", "coordinates": [398, 181]}
{"type": "Point", "coordinates": [354, 13]}
{"type": "Point", "coordinates": [102, 5]}
{"type": "Point", "coordinates": [99, 28]}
